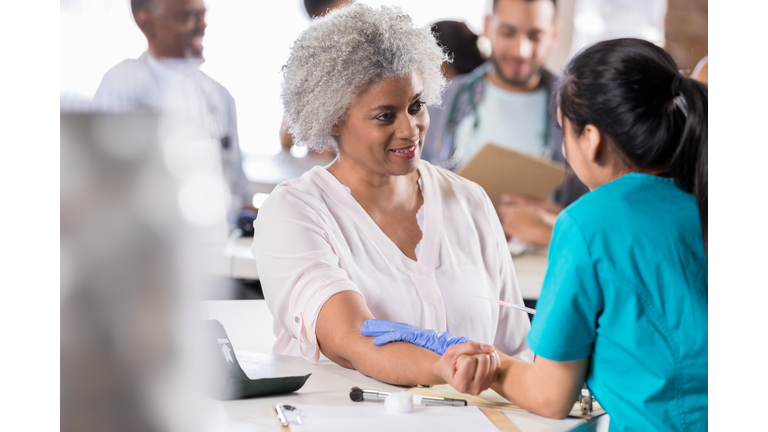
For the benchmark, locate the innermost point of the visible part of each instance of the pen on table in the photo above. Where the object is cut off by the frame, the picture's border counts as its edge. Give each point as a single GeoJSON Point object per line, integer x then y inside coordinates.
{"type": "Point", "coordinates": [281, 416]}
{"type": "Point", "coordinates": [511, 305]}
{"type": "Point", "coordinates": [358, 395]}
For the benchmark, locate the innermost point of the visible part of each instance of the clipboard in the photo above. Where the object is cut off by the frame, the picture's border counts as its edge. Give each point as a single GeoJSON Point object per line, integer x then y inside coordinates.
{"type": "Point", "coordinates": [232, 383]}
{"type": "Point", "coordinates": [499, 170]}
{"type": "Point", "coordinates": [491, 400]}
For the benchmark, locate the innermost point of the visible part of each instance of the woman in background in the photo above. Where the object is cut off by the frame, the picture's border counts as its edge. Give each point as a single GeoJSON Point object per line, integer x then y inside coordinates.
{"type": "Point", "coordinates": [461, 45]}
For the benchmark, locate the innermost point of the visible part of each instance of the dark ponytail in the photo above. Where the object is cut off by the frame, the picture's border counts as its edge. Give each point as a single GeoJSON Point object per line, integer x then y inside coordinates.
{"type": "Point", "coordinates": [655, 118]}
{"type": "Point", "coordinates": [689, 164]}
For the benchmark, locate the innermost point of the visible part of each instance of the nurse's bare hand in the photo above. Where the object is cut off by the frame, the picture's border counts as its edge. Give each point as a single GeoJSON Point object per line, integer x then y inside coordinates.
{"type": "Point", "coordinates": [470, 367]}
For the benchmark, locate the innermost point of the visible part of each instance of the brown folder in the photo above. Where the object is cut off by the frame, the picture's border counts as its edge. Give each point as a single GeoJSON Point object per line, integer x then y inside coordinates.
{"type": "Point", "coordinates": [499, 170]}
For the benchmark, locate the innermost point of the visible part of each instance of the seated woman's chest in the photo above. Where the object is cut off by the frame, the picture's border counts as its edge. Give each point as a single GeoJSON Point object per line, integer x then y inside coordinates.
{"type": "Point", "coordinates": [466, 255]}
{"type": "Point", "coordinates": [399, 225]}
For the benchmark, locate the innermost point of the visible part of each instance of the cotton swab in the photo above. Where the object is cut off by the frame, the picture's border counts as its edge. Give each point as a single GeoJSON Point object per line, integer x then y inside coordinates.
{"type": "Point", "coordinates": [511, 305]}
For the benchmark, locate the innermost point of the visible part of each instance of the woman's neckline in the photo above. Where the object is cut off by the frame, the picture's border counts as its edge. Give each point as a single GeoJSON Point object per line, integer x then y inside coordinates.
{"type": "Point", "coordinates": [431, 233]}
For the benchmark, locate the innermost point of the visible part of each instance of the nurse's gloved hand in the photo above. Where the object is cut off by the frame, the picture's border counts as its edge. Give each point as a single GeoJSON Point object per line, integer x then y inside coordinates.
{"type": "Point", "coordinates": [388, 331]}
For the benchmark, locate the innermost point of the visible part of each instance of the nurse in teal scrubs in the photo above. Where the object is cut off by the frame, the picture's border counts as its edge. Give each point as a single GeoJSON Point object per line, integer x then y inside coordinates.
{"type": "Point", "coordinates": [625, 298]}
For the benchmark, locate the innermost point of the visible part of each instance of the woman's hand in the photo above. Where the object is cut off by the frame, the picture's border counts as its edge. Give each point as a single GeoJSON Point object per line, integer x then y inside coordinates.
{"type": "Point", "coordinates": [470, 367]}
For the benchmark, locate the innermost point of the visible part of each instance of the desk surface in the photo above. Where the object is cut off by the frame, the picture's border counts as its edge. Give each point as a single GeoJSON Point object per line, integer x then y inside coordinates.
{"type": "Point", "coordinates": [330, 385]}
{"type": "Point", "coordinates": [238, 262]}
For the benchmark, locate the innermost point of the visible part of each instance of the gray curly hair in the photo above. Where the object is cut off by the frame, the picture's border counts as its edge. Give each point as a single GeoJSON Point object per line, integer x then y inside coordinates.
{"type": "Point", "coordinates": [342, 54]}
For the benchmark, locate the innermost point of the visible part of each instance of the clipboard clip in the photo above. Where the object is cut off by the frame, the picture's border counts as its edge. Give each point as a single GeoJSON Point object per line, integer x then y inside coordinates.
{"type": "Point", "coordinates": [280, 410]}
{"type": "Point", "coordinates": [585, 401]}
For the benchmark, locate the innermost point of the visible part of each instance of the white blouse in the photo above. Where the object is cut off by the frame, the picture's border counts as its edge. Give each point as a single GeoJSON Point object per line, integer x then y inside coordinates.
{"type": "Point", "coordinates": [313, 239]}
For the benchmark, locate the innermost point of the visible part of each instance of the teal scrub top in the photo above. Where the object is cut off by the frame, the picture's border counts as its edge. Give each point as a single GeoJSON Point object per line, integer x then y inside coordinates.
{"type": "Point", "coordinates": [626, 286]}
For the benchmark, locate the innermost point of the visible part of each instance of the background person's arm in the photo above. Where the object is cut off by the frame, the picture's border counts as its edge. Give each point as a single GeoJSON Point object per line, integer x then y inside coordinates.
{"type": "Point", "coordinates": [529, 219]}
{"type": "Point", "coordinates": [286, 139]}
{"type": "Point", "coordinates": [470, 367]}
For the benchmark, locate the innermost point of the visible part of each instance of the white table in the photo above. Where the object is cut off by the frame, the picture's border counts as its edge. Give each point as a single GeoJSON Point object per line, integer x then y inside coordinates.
{"type": "Point", "coordinates": [241, 263]}
{"type": "Point", "coordinates": [238, 262]}
{"type": "Point", "coordinates": [330, 385]}
{"type": "Point", "coordinates": [530, 268]}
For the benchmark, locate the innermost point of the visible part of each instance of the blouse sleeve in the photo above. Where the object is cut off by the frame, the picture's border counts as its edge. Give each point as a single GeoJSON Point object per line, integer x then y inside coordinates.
{"type": "Point", "coordinates": [298, 267]}
{"type": "Point", "coordinates": [565, 325]}
{"type": "Point", "coordinates": [513, 324]}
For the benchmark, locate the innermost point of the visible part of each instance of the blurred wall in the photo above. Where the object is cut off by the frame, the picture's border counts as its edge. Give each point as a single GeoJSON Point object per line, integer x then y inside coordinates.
{"type": "Point", "coordinates": [562, 50]}
{"type": "Point", "coordinates": [685, 28]}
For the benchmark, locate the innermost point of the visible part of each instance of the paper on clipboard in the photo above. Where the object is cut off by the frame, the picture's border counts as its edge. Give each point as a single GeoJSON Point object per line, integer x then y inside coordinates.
{"type": "Point", "coordinates": [372, 417]}
{"type": "Point", "coordinates": [499, 170]}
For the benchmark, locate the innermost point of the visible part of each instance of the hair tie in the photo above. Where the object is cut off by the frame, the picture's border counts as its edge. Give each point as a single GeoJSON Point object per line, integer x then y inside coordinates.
{"type": "Point", "coordinates": [677, 98]}
{"type": "Point", "coordinates": [676, 84]}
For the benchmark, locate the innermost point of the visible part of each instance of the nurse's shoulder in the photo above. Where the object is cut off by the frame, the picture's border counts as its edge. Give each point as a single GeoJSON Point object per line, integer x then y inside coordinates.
{"type": "Point", "coordinates": [639, 215]}
{"type": "Point", "coordinates": [635, 198]}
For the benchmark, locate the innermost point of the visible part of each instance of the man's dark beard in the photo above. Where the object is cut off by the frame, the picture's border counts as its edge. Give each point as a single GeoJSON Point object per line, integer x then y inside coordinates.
{"type": "Point", "coordinates": [516, 83]}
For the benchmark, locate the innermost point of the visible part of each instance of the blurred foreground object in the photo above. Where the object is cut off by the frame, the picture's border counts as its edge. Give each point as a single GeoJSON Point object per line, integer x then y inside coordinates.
{"type": "Point", "coordinates": [131, 268]}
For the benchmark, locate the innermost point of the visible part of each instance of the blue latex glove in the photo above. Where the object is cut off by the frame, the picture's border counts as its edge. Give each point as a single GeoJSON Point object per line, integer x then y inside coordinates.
{"type": "Point", "coordinates": [388, 331]}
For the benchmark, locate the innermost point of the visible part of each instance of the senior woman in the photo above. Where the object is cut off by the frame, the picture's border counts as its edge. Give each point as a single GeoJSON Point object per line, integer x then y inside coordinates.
{"type": "Point", "coordinates": [379, 233]}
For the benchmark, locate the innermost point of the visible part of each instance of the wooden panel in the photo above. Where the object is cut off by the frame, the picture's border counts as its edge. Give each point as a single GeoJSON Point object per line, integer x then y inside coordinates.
{"type": "Point", "coordinates": [685, 26]}
{"type": "Point", "coordinates": [687, 5]}
{"type": "Point", "coordinates": [686, 54]}
{"type": "Point", "coordinates": [686, 32]}
{"type": "Point", "coordinates": [499, 420]}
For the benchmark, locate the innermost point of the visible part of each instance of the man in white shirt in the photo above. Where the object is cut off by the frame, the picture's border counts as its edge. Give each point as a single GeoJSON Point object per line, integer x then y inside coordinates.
{"type": "Point", "coordinates": [167, 78]}
{"type": "Point", "coordinates": [506, 101]}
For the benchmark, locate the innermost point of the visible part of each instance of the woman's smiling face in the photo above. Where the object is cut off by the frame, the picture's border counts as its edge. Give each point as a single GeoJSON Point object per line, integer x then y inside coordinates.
{"type": "Point", "coordinates": [384, 129]}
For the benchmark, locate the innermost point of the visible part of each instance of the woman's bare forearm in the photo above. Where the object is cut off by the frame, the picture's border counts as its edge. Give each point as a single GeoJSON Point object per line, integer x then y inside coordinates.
{"type": "Point", "coordinates": [397, 363]}
{"type": "Point", "coordinates": [338, 335]}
